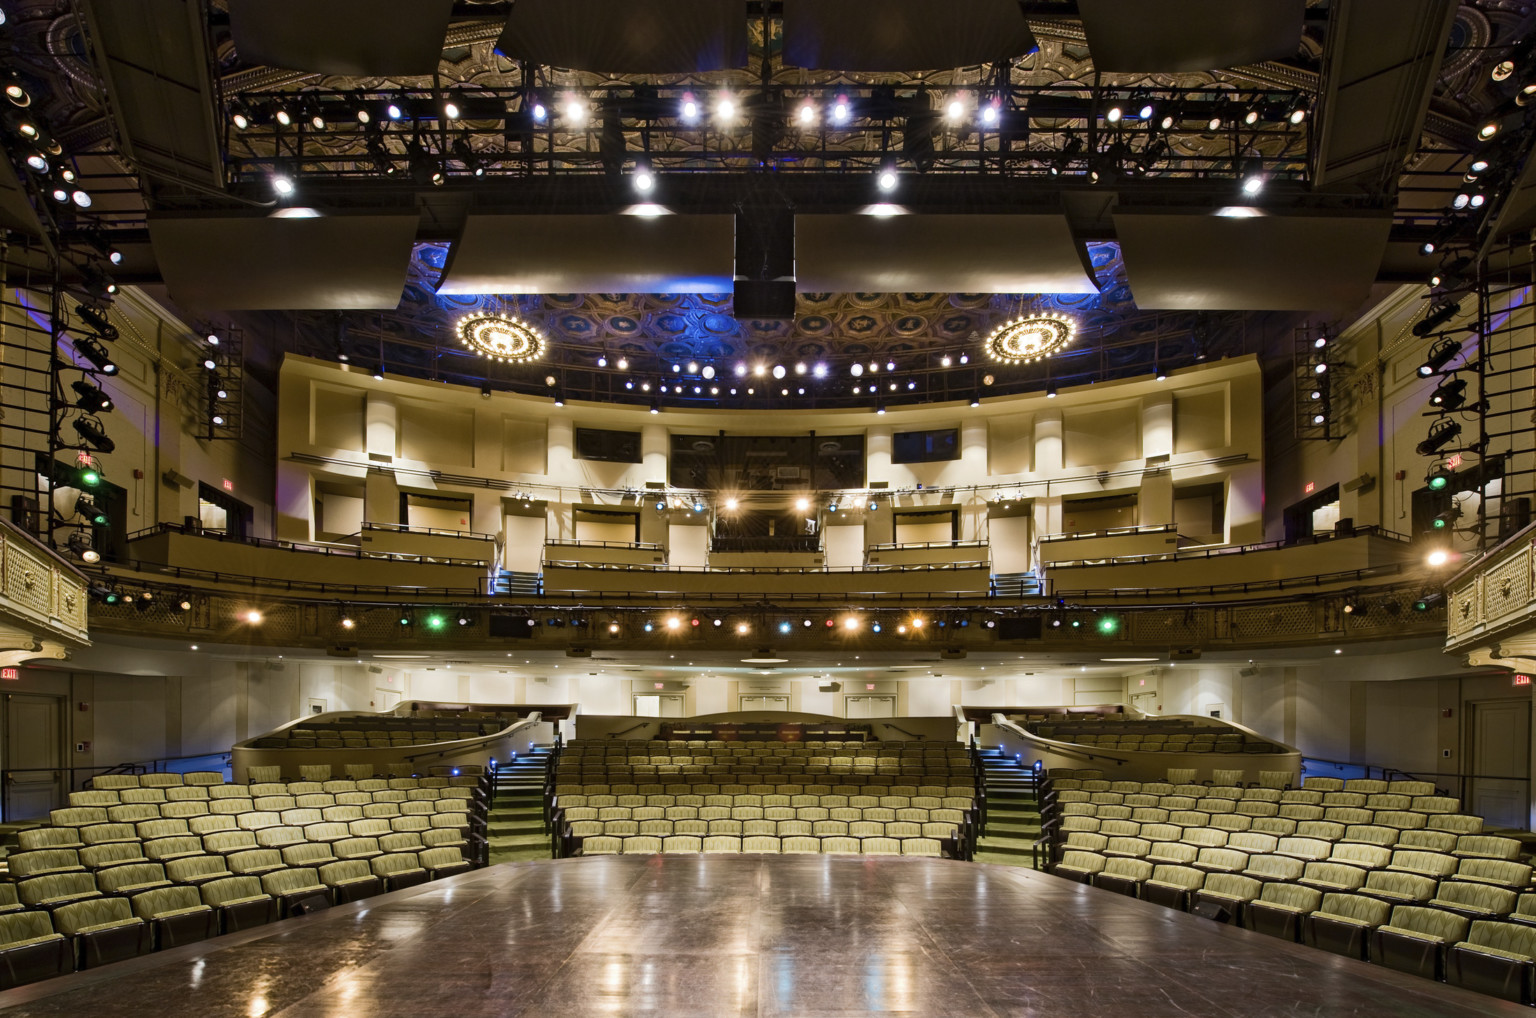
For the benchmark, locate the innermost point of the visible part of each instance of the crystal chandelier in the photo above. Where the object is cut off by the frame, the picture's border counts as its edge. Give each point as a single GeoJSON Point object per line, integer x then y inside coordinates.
{"type": "Point", "coordinates": [502, 338]}
{"type": "Point", "coordinates": [1030, 339]}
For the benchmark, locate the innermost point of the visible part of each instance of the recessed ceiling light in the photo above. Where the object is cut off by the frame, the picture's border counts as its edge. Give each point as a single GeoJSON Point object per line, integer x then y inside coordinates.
{"type": "Point", "coordinates": [1129, 660]}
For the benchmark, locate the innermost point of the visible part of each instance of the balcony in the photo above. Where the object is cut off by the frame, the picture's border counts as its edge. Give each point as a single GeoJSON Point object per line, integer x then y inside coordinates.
{"type": "Point", "coordinates": [1325, 560]}
{"type": "Point", "coordinates": [170, 549]}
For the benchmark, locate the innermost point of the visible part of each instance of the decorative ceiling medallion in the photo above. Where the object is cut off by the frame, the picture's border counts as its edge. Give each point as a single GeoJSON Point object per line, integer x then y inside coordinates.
{"type": "Point", "coordinates": [1029, 339]}
{"type": "Point", "coordinates": [502, 338]}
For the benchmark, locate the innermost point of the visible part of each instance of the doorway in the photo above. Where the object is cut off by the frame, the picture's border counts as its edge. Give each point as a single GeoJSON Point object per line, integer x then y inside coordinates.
{"type": "Point", "coordinates": [34, 755]}
{"type": "Point", "coordinates": [1317, 513]}
{"type": "Point", "coordinates": [1500, 762]}
{"type": "Point", "coordinates": [869, 706]}
{"type": "Point", "coordinates": [219, 512]}
{"type": "Point", "coordinates": [659, 705]}
{"type": "Point", "coordinates": [385, 699]}
{"type": "Point", "coordinates": [779, 702]}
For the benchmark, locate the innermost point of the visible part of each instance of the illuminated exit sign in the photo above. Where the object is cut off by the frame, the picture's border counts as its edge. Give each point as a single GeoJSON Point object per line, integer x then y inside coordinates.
{"type": "Point", "coordinates": [13, 674]}
{"type": "Point", "coordinates": [1520, 680]}
{"type": "Point", "coordinates": [1309, 489]}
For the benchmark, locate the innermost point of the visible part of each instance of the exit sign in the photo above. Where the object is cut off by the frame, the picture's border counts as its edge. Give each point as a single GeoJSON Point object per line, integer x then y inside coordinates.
{"type": "Point", "coordinates": [1520, 680]}
{"type": "Point", "coordinates": [15, 673]}
{"type": "Point", "coordinates": [228, 484]}
{"type": "Point", "coordinates": [1453, 461]}
{"type": "Point", "coordinates": [1309, 489]}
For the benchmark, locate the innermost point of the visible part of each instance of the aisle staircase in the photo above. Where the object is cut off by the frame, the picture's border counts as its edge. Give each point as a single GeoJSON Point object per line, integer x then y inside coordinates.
{"type": "Point", "coordinates": [513, 584]}
{"type": "Point", "coordinates": [1013, 811]}
{"type": "Point", "coordinates": [515, 827]}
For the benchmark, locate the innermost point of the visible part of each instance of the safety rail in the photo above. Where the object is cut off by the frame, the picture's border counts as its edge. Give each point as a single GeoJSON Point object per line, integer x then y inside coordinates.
{"type": "Point", "coordinates": [336, 550]}
{"type": "Point", "coordinates": [922, 545]}
{"type": "Point", "coordinates": [628, 545]}
{"type": "Point", "coordinates": [1065, 748]}
{"type": "Point", "coordinates": [1205, 552]}
{"type": "Point", "coordinates": [763, 570]}
{"type": "Point", "coordinates": [1151, 528]}
{"type": "Point", "coordinates": [407, 528]}
{"type": "Point", "coordinates": [158, 765]}
{"type": "Point", "coordinates": [1216, 589]}
{"type": "Point", "coordinates": [107, 573]}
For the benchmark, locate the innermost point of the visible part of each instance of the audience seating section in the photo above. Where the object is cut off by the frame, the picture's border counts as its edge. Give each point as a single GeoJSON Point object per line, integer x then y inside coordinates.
{"type": "Point", "coordinates": [725, 795]}
{"type": "Point", "coordinates": [145, 862]}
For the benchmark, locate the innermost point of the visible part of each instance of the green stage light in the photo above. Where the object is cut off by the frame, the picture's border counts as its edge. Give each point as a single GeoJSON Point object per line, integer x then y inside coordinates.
{"type": "Point", "coordinates": [89, 478]}
{"type": "Point", "coordinates": [1109, 625]}
{"type": "Point", "coordinates": [436, 622]}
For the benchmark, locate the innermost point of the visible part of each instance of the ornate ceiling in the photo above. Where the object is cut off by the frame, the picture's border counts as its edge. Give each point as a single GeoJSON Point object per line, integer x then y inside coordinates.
{"type": "Point", "coordinates": [653, 331]}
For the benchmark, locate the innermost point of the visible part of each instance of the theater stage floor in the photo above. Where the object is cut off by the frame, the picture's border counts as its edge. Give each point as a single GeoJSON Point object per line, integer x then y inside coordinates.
{"type": "Point", "coordinates": [744, 935]}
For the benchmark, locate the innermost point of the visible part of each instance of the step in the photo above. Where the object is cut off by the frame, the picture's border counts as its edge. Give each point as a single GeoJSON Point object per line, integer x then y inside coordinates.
{"type": "Point", "coordinates": [1004, 846]}
{"type": "Point", "coordinates": [521, 840]}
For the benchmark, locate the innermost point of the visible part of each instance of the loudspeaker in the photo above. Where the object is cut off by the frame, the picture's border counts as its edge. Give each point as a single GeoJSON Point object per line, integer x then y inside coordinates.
{"type": "Point", "coordinates": [509, 626]}
{"type": "Point", "coordinates": [759, 298]}
{"type": "Point", "coordinates": [1026, 627]}
{"type": "Point", "coordinates": [1213, 911]}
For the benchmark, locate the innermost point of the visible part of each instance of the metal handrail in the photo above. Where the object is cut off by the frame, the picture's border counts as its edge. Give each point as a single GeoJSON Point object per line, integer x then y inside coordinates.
{"type": "Point", "coordinates": [1191, 554]}
{"type": "Point", "coordinates": [631, 728]}
{"type": "Point", "coordinates": [1150, 528]}
{"type": "Point", "coordinates": [648, 567]}
{"type": "Point", "coordinates": [313, 586]}
{"type": "Point", "coordinates": [900, 546]}
{"type": "Point", "coordinates": [634, 545]}
{"type": "Point", "coordinates": [339, 551]}
{"type": "Point", "coordinates": [1316, 580]}
{"type": "Point", "coordinates": [406, 528]}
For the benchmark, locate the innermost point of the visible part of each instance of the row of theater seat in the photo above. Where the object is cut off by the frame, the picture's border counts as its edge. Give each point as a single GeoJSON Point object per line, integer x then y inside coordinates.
{"type": "Point", "coordinates": [107, 881]}
{"type": "Point", "coordinates": [1423, 891]}
{"type": "Point", "coordinates": [893, 798]}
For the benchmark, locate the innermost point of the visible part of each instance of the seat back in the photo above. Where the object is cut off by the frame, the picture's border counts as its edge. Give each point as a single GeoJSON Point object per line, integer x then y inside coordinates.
{"type": "Point", "coordinates": [1306, 899]}
{"type": "Point", "coordinates": [21, 926]}
{"type": "Point", "coordinates": [288, 881]}
{"type": "Point", "coordinates": [1483, 897]}
{"type": "Point", "coordinates": [1511, 937]}
{"type": "Point", "coordinates": [71, 919]}
{"type": "Point", "coordinates": [1431, 922]}
{"type": "Point", "coordinates": [1233, 885]}
{"type": "Point", "coordinates": [110, 881]}
{"type": "Point", "coordinates": [1495, 871]}
{"type": "Point", "coordinates": [54, 885]}
{"type": "Point", "coordinates": [157, 902]}
{"type": "Point", "coordinates": [1182, 876]}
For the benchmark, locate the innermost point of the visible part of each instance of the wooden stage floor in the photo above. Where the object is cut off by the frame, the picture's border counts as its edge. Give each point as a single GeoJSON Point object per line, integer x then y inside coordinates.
{"type": "Point", "coordinates": [744, 935]}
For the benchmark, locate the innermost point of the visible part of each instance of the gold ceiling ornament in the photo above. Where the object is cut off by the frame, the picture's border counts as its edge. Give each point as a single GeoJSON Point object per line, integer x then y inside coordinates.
{"type": "Point", "coordinates": [502, 337]}
{"type": "Point", "coordinates": [1024, 340]}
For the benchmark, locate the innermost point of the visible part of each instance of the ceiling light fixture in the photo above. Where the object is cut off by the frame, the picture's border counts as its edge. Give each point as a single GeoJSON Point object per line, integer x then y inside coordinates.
{"type": "Point", "coordinates": [1025, 340]}
{"type": "Point", "coordinates": [502, 337]}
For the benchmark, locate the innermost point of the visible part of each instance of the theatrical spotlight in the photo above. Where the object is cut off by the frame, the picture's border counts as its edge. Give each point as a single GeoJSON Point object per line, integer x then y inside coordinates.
{"type": "Point", "coordinates": [87, 507]}
{"type": "Point", "coordinates": [80, 546]}
{"type": "Point", "coordinates": [1426, 601]}
{"type": "Point", "coordinates": [96, 318]}
{"type": "Point", "coordinates": [93, 435]}
{"type": "Point", "coordinates": [88, 397]}
{"type": "Point", "coordinates": [1439, 478]}
{"type": "Point", "coordinates": [1441, 434]}
{"type": "Point", "coordinates": [1438, 316]}
{"type": "Point", "coordinates": [1451, 394]}
{"type": "Point", "coordinates": [1445, 520]}
{"type": "Point", "coordinates": [1439, 356]}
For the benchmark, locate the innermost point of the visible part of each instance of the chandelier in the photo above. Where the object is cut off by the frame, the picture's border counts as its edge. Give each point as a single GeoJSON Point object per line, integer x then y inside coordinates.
{"type": "Point", "coordinates": [502, 338]}
{"type": "Point", "coordinates": [1029, 339]}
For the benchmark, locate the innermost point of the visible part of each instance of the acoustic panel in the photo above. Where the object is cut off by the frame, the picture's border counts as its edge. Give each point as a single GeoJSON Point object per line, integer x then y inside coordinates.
{"type": "Point", "coordinates": [902, 35]}
{"type": "Point", "coordinates": [360, 38]}
{"type": "Point", "coordinates": [1142, 36]}
{"type": "Point", "coordinates": [592, 254]}
{"type": "Point", "coordinates": [251, 263]}
{"type": "Point", "coordinates": [1199, 260]}
{"type": "Point", "coordinates": [939, 253]}
{"type": "Point", "coordinates": [627, 36]}
{"type": "Point", "coordinates": [153, 59]}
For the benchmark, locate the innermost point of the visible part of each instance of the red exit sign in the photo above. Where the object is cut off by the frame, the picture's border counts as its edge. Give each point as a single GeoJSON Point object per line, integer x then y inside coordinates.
{"type": "Point", "coordinates": [1309, 489]}
{"type": "Point", "coordinates": [1522, 680]}
{"type": "Point", "coordinates": [15, 673]}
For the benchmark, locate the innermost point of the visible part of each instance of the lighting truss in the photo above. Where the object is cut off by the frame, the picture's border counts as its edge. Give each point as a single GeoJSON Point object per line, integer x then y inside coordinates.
{"type": "Point", "coordinates": [1313, 403]}
{"type": "Point", "coordinates": [1010, 130]}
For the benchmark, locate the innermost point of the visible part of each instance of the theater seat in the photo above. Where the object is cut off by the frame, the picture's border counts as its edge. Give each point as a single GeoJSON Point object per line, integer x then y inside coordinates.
{"type": "Point", "coordinates": [30, 949]}
{"type": "Point", "coordinates": [444, 862]}
{"type": "Point", "coordinates": [197, 870]}
{"type": "Point", "coordinates": [1123, 876]}
{"type": "Point", "coordinates": [799, 844]}
{"type": "Point", "coordinates": [176, 916]}
{"type": "Point", "coordinates": [239, 902]}
{"type": "Point", "coordinates": [296, 890]}
{"type": "Point", "coordinates": [1229, 892]}
{"type": "Point", "coordinates": [1496, 958]}
{"type": "Point", "coordinates": [1416, 938]}
{"type": "Point", "coordinates": [1332, 876]}
{"type": "Point", "coordinates": [1475, 901]}
{"type": "Point", "coordinates": [1279, 908]}
{"type": "Point", "coordinates": [1080, 866]}
{"type": "Point", "coordinates": [1343, 922]}
{"type": "Point", "coordinates": [54, 889]}
{"type": "Point", "coordinates": [132, 878]}
{"type": "Point", "coordinates": [1497, 872]}
{"type": "Point", "coordinates": [350, 880]}
{"type": "Point", "coordinates": [1399, 888]}
{"type": "Point", "coordinates": [104, 930]}
{"type": "Point", "coordinates": [1172, 886]}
